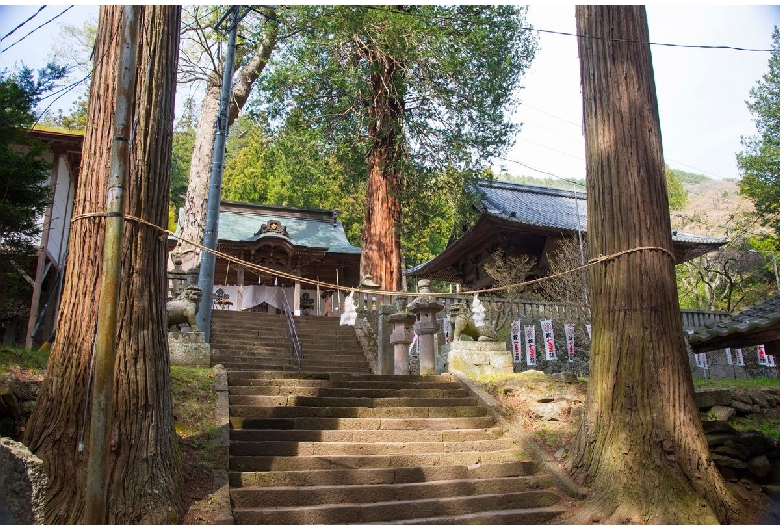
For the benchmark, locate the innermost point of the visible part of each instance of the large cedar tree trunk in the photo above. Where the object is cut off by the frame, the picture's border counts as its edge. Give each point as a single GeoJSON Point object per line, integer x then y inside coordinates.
{"type": "Point", "coordinates": [640, 448]}
{"type": "Point", "coordinates": [381, 241]}
{"type": "Point", "coordinates": [193, 219]}
{"type": "Point", "coordinates": [144, 465]}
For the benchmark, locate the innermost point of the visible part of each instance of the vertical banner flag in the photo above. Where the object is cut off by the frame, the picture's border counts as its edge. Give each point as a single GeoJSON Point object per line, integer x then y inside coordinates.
{"type": "Point", "coordinates": [549, 339]}
{"type": "Point", "coordinates": [703, 358]}
{"type": "Point", "coordinates": [740, 358]}
{"type": "Point", "coordinates": [516, 340]}
{"type": "Point", "coordinates": [414, 347]}
{"type": "Point", "coordinates": [569, 329]}
{"type": "Point", "coordinates": [530, 345]}
{"type": "Point", "coordinates": [761, 355]}
{"type": "Point", "coordinates": [771, 360]}
{"type": "Point", "coordinates": [587, 326]}
{"type": "Point", "coordinates": [447, 329]}
{"type": "Point", "coordinates": [729, 360]}
{"type": "Point", "coordinates": [698, 360]}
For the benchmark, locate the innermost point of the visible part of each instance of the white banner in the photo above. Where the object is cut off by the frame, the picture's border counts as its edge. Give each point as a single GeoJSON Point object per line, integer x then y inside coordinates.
{"type": "Point", "coordinates": [530, 345]}
{"type": "Point", "coordinates": [771, 360]}
{"type": "Point", "coordinates": [548, 337]}
{"type": "Point", "coordinates": [762, 355]}
{"type": "Point", "coordinates": [447, 325]}
{"type": "Point", "coordinates": [729, 360]}
{"type": "Point", "coordinates": [740, 358]}
{"type": "Point", "coordinates": [516, 341]}
{"type": "Point", "coordinates": [587, 326]}
{"type": "Point", "coordinates": [569, 330]}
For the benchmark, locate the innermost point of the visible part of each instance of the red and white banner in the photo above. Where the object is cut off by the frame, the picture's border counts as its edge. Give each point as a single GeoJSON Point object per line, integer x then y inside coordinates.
{"type": "Point", "coordinates": [762, 355]}
{"type": "Point", "coordinates": [447, 325]}
{"type": "Point", "coordinates": [530, 345]}
{"type": "Point", "coordinates": [516, 341]}
{"type": "Point", "coordinates": [701, 360]}
{"type": "Point", "coordinates": [740, 358]}
{"type": "Point", "coordinates": [729, 360]}
{"type": "Point", "coordinates": [549, 340]}
{"type": "Point", "coordinates": [569, 330]}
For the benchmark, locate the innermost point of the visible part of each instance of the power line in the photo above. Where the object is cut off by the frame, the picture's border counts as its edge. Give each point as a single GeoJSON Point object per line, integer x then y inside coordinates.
{"type": "Point", "coordinates": [36, 29]}
{"type": "Point", "coordinates": [22, 24]}
{"type": "Point", "coordinates": [631, 41]}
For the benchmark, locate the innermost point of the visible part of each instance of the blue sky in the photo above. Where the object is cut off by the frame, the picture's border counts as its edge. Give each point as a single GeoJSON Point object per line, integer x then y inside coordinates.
{"type": "Point", "coordinates": [701, 93]}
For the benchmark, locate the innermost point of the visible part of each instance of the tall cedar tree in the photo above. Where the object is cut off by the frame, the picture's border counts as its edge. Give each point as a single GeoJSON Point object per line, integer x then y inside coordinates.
{"type": "Point", "coordinates": [640, 448]}
{"type": "Point", "coordinates": [410, 93]}
{"type": "Point", "coordinates": [759, 163]}
{"type": "Point", "coordinates": [144, 479]}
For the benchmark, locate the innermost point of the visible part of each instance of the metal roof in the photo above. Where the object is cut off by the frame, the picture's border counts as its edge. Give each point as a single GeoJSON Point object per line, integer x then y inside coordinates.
{"type": "Point", "coordinates": [550, 208]}
{"type": "Point", "coordinates": [311, 228]}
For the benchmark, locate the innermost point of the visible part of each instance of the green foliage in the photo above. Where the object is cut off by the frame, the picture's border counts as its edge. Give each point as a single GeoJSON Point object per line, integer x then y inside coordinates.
{"type": "Point", "coordinates": [182, 147]}
{"type": "Point", "coordinates": [678, 197]}
{"type": "Point", "coordinates": [744, 384]}
{"type": "Point", "coordinates": [455, 71]}
{"type": "Point", "coordinates": [759, 162]}
{"type": "Point", "coordinates": [688, 178]}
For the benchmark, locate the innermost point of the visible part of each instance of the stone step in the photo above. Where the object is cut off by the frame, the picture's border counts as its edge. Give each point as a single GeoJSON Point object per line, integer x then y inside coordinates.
{"type": "Point", "coordinates": [308, 364]}
{"type": "Point", "coordinates": [249, 411]}
{"type": "Point", "coordinates": [361, 493]}
{"type": "Point", "coordinates": [530, 516]}
{"type": "Point", "coordinates": [365, 436]}
{"type": "Point", "coordinates": [371, 476]}
{"type": "Point", "coordinates": [272, 390]}
{"type": "Point", "coordinates": [248, 377]}
{"type": "Point", "coordinates": [300, 463]}
{"type": "Point", "coordinates": [356, 513]}
{"type": "Point", "coordinates": [294, 448]}
{"type": "Point", "coordinates": [351, 402]}
{"type": "Point", "coordinates": [382, 424]}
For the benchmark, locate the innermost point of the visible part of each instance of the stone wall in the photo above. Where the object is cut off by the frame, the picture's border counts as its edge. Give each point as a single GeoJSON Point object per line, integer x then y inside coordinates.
{"type": "Point", "coordinates": [741, 454]}
{"type": "Point", "coordinates": [718, 367]}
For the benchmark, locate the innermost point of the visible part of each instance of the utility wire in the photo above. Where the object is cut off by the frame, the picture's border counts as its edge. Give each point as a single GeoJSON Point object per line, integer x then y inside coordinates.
{"type": "Point", "coordinates": [36, 29]}
{"type": "Point", "coordinates": [22, 24]}
{"type": "Point", "coordinates": [631, 41]}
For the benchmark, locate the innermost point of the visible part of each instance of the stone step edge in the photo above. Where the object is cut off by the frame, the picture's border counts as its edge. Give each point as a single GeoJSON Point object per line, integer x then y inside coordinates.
{"type": "Point", "coordinates": [393, 475]}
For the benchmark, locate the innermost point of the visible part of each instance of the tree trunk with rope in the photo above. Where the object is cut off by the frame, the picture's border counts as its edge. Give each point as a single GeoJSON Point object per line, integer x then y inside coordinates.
{"type": "Point", "coordinates": [381, 241]}
{"type": "Point", "coordinates": [640, 449]}
{"type": "Point", "coordinates": [193, 219]}
{"type": "Point", "coordinates": [144, 472]}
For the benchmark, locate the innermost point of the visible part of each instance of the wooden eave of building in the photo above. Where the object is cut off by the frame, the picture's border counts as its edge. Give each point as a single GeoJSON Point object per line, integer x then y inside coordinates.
{"type": "Point", "coordinates": [758, 324]}
{"type": "Point", "coordinates": [66, 144]}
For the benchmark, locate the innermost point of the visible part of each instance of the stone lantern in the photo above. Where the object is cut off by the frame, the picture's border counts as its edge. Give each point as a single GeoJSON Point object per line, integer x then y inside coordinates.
{"type": "Point", "coordinates": [401, 337]}
{"type": "Point", "coordinates": [425, 308]}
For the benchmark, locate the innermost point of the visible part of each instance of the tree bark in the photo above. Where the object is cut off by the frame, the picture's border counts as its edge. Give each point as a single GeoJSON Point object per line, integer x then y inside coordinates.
{"type": "Point", "coordinates": [640, 448]}
{"type": "Point", "coordinates": [381, 241]}
{"type": "Point", "coordinates": [193, 220]}
{"type": "Point", "coordinates": [144, 474]}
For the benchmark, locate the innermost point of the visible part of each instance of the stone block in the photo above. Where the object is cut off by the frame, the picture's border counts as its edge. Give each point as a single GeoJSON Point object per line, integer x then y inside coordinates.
{"type": "Point", "coordinates": [478, 358]}
{"type": "Point", "coordinates": [721, 413]}
{"type": "Point", "coordinates": [23, 485]}
{"type": "Point", "coordinates": [189, 349]}
{"type": "Point", "coordinates": [711, 397]}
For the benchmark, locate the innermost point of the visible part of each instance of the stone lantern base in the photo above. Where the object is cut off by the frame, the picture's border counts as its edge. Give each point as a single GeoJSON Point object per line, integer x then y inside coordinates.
{"type": "Point", "coordinates": [476, 358]}
{"type": "Point", "coordinates": [189, 349]}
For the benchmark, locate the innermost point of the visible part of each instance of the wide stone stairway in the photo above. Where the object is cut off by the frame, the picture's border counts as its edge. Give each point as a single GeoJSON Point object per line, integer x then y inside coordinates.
{"type": "Point", "coordinates": [335, 444]}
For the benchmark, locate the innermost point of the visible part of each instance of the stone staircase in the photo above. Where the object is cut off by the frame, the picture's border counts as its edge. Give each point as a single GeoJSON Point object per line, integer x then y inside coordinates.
{"type": "Point", "coordinates": [259, 341]}
{"type": "Point", "coordinates": [341, 447]}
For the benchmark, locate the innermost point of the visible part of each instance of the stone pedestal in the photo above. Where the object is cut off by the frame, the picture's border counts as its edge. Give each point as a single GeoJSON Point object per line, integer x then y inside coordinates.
{"type": "Point", "coordinates": [189, 348]}
{"type": "Point", "coordinates": [478, 358]}
{"type": "Point", "coordinates": [401, 338]}
{"type": "Point", "coordinates": [426, 307]}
